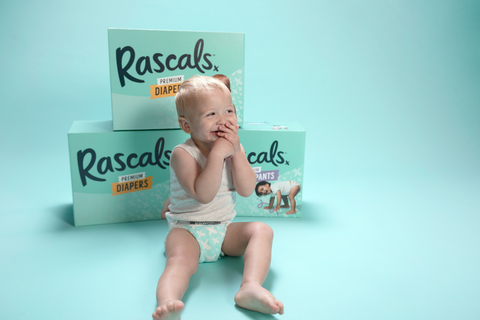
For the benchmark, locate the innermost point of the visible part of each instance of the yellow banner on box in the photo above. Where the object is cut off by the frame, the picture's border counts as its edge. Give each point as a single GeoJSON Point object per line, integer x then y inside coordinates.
{"type": "Point", "coordinates": [131, 186]}
{"type": "Point", "coordinates": [165, 90]}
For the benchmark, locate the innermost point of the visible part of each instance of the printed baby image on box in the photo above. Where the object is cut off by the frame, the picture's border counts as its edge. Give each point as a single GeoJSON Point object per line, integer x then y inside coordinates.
{"type": "Point", "coordinates": [276, 154]}
{"type": "Point", "coordinates": [119, 176]}
{"type": "Point", "coordinates": [148, 66]}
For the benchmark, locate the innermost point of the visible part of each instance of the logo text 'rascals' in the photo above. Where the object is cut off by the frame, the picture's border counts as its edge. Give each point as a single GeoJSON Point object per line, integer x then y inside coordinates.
{"type": "Point", "coordinates": [274, 156]}
{"type": "Point", "coordinates": [91, 169]}
{"type": "Point", "coordinates": [143, 64]}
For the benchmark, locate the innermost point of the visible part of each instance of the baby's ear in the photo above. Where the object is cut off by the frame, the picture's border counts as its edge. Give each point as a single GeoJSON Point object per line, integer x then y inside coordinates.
{"type": "Point", "coordinates": [182, 121]}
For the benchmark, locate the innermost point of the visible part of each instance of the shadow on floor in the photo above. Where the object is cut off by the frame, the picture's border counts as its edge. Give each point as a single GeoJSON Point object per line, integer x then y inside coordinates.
{"type": "Point", "coordinates": [65, 213]}
{"type": "Point", "coordinates": [313, 213]}
{"type": "Point", "coordinates": [254, 315]}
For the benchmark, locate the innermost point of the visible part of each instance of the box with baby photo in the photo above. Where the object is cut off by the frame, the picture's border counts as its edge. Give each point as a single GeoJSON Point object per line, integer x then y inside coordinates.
{"type": "Point", "coordinates": [121, 176]}
{"type": "Point", "coordinates": [276, 154]}
{"type": "Point", "coordinates": [148, 66]}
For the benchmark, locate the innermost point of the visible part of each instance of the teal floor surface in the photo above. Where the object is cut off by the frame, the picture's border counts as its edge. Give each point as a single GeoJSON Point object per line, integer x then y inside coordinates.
{"type": "Point", "coordinates": [362, 250]}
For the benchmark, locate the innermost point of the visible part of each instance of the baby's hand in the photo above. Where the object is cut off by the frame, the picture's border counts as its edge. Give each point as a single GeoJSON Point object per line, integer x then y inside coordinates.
{"type": "Point", "coordinates": [223, 147]}
{"type": "Point", "coordinates": [230, 132]}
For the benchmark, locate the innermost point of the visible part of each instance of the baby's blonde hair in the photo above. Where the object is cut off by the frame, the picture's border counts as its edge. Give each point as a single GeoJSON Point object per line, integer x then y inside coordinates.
{"type": "Point", "coordinates": [187, 94]}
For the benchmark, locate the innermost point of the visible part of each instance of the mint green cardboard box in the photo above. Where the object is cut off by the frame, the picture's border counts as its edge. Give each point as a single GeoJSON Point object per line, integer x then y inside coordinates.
{"type": "Point", "coordinates": [122, 176]}
{"type": "Point", "coordinates": [147, 67]}
{"type": "Point", "coordinates": [276, 152]}
{"type": "Point", "coordinates": [119, 176]}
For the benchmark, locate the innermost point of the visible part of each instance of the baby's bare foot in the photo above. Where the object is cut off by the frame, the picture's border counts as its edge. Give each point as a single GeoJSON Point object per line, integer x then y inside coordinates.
{"type": "Point", "coordinates": [257, 298]}
{"type": "Point", "coordinates": [169, 311]}
{"type": "Point", "coordinates": [290, 212]}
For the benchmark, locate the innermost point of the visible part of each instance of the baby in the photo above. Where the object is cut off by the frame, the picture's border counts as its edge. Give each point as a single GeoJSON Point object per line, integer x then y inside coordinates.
{"type": "Point", "coordinates": [226, 81]}
{"type": "Point", "coordinates": [279, 190]}
{"type": "Point", "coordinates": [206, 173]}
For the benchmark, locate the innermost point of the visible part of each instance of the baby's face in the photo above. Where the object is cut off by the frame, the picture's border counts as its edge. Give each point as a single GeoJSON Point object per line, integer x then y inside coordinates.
{"type": "Point", "coordinates": [264, 190]}
{"type": "Point", "coordinates": [213, 109]}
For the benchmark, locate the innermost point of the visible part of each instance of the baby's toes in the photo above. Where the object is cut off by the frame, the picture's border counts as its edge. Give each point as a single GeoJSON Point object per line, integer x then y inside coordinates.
{"type": "Point", "coordinates": [280, 305]}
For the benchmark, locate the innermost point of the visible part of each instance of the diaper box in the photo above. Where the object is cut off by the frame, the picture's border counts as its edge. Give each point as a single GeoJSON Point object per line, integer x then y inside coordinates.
{"type": "Point", "coordinates": [276, 153]}
{"type": "Point", "coordinates": [121, 176]}
{"type": "Point", "coordinates": [148, 66]}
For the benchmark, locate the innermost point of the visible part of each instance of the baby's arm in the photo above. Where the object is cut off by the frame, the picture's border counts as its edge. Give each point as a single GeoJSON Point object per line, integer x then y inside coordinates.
{"type": "Point", "coordinates": [201, 185]}
{"type": "Point", "coordinates": [244, 177]}
{"type": "Point", "coordinates": [270, 205]}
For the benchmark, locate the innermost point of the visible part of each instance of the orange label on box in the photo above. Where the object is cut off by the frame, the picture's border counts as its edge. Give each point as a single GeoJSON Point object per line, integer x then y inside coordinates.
{"type": "Point", "coordinates": [131, 186]}
{"type": "Point", "coordinates": [165, 90]}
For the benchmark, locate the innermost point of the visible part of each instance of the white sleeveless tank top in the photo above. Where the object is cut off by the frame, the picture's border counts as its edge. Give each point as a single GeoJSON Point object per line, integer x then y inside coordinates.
{"type": "Point", "coordinates": [185, 208]}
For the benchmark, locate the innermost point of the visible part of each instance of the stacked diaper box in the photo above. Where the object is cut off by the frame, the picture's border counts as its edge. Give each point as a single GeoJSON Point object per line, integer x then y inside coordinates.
{"type": "Point", "coordinates": [148, 66]}
{"type": "Point", "coordinates": [120, 167]}
{"type": "Point", "coordinates": [276, 153]}
{"type": "Point", "coordinates": [120, 176]}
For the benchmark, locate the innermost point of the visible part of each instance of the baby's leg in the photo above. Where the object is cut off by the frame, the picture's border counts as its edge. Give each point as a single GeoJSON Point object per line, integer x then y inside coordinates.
{"type": "Point", "coordinates": [291, 195]}
{"type": "Point", "coordinates": [254, 241]}
{"type": "Point", "coordinates": [285, 202]}
{"type": "Point", "coordinates": [182, 253]}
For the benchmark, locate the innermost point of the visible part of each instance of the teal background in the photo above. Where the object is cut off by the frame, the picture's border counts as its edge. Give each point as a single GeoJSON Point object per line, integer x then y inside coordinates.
{"type": "Point", "coordinates": [388, 92]}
